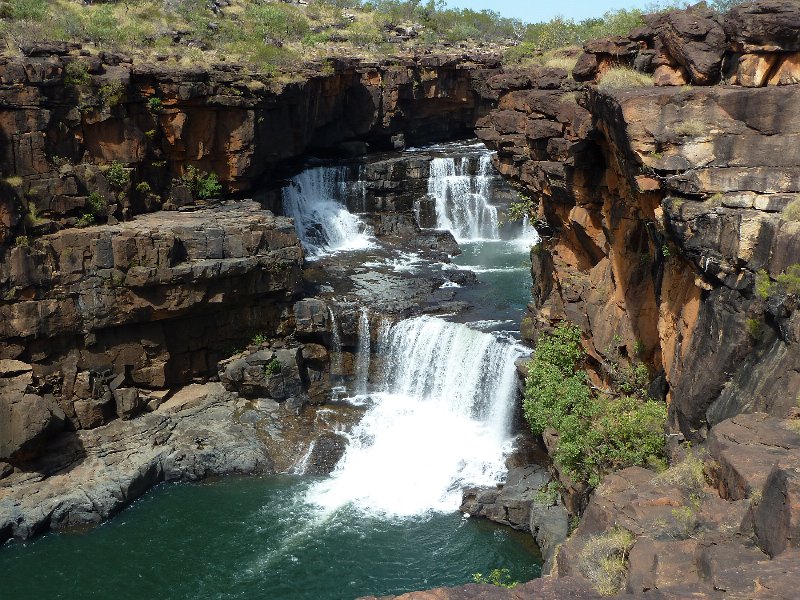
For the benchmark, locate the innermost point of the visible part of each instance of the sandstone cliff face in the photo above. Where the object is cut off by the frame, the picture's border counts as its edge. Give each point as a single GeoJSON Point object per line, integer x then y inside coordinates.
{"type": "Point", "coordinates": [663, 207]}
{"type": "Point", "coordinates": [64, 116]}
{"type": "Point", "coordinates": [150, 303]}
{"type": "Point", "coordinates": [670, 224]}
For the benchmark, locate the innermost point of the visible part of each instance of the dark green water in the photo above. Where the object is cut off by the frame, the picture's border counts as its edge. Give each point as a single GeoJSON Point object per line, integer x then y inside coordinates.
{"type": "Point", "coordinates": [256, 538]}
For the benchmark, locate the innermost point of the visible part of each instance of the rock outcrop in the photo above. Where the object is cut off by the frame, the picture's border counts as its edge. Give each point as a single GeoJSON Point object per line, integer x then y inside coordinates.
{"type": "Point", "coordinates": [90, 475]}
{"type": "Point", "coordinates": [666, 213]}
{"type": "Point", "coordinates": [147, 304]}
{"type": "Point", "coordinates": [669, 217]}
{"type": "Point", "coordinates": [66, 117]}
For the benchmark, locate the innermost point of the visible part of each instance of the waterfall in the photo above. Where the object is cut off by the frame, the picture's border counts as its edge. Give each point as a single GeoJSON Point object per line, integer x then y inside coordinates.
{"type": "Point", "coordinates": [336, 349]}
{"type": "Point", "coordinates": [363, 353]}
{"type": "Point", "coordinates": [315, 199]}
{"type": "Point", "coordinates": [441, 423]}
{"type": "Point", "coordinates": [462, 199]}
{"type": "Point", "coordinates": [528, 237]}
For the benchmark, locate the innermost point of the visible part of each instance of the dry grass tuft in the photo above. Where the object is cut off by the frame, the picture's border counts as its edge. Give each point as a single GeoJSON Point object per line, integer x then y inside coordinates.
{"type": "Point", "coordinates": [623, 77]}
{"type": "Point", "coordinates": [603, 560]}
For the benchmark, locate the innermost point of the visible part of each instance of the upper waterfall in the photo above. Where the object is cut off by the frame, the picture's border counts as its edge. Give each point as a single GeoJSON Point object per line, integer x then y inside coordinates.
{"type": "Point", "coordinates": [462, 197]}
{"type": "Point", "coordinates": [441, 423]}
{"type": "Point", "coordinates": [316, 200]}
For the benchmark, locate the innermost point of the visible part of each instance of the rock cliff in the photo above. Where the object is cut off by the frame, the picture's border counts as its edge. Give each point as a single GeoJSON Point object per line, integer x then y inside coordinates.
{"type": "Point", "coordinates": [670, 222]}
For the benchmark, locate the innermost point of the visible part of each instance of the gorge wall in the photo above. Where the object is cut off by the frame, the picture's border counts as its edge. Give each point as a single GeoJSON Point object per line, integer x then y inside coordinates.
{"type": "Point", "coordinates": [666, 209]}
{"type": "Point", "coordinates": [100, 307]}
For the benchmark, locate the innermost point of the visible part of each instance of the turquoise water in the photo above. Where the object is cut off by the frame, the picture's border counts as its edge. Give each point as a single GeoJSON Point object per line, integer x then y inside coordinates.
{"type": "Point", "coordinates": [504, 267]}
{"type": "Point", "coordinates": [253, 538]}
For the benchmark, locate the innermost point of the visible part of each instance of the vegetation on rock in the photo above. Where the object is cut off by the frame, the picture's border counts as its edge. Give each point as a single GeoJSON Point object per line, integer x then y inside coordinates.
{"type": "Point", "coordinates": [498, 577]}
{"type": "Point", "coordinates": [201, 184]}
{"type": "Point", "coordinates": [623, 77]}
{"type": "Point", "coordinates": [597, 432]}
{"type": "Point", "coordinates": [603, 560]}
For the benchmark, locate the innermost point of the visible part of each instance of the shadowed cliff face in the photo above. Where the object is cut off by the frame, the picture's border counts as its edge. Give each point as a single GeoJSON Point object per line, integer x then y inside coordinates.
{"type": "Point", "coordinates": [66, 116]}
{"type": "Point", "coordinates": [662, 205]}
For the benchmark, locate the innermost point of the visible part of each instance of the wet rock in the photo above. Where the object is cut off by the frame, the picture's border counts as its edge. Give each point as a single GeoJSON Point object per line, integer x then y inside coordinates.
{"type": "Point", "coordinates": [197, 433]}
{"type": "Point", "coordinates": [328, 449]}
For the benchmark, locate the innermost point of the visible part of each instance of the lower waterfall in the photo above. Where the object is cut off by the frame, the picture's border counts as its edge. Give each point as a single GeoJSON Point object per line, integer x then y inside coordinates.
{"type": "Point", "coordinates": [440, 423]}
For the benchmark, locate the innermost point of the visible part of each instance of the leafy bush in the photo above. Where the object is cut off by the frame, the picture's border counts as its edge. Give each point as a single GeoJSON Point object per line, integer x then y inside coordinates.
{"type": "Point", "coordinates": [755, 328]}
{"type": "Point", "coordinates": [273, 367]}
{"type": "Point", "coordinates": [154, 105]}
{"type": "Point", "coordinates": [202, 185]}
{"type": "Point", "coordinates": [276, 24]}
{"type": "Point", "coordinates": [498, 577]}
{"type": "Point", "coordinates": [96, 204]}
{"type": "Point", "coordinates": [787, 282]}
{"type": "Point", "coordinates": [623, 77]}
{"type": "Point", "coordinates": [85, 220]}
{"type": "Point", "coordinates": [22, 241]}
{"type": "Point", "coordinates": [111, 93]}
{"type": "Point", "coordinates": [76, 73]}
{"type": "Point", "coordinates": [597, 434]}
{"type": "Point", "coordinates": [117, 176]}
{"type": "Point", "coordinates": [603, 560]}
{"type": "Point", "coordinates": [25, 10]}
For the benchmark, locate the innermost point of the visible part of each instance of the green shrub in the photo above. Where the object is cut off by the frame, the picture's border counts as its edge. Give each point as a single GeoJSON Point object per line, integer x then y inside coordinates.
{"type": "Point", "coordinates": [276, 24]}
{"type": "Point", "coordinates": [85, 220]}
{"type": "Point", "coordinates": [143, 187]}
{"type": "Point", "coordinates": [603, 560]}
{"type": "Point", "coordinates": [101, 25]}
{"type": "Point", "coordinates": [155, 105]}
{"type": "Point", "coordinates": [273, 367]}
{"type": "Point", "coordinates": [755, 328]}
{"type": "Point", "coordinates": [498, 577]}
{"type": "Point", "coordinates": [25, 10]}
{"type": "Point", "coordinates": [202, 185]}
{"type": "Point", "coordinates": [623, 77]}
{"type": "Point", "coordinates": [259, 339]}
{"type": "Point", "coordinates": [789, 280]}
{"type": "Point", "coordinates": [22, 241]}
{"type": "Point", "coordinates": [97, 204]}
{"type": "Point", "coordinates": [792, 212]}
{"type": "Point", "coordinates": [117, 176]}
{"type": "Point", "coordinates": [111, 93]}
{"type": "Point", "coordinates": [76, 73]}
{"type": "Point", "coordinates": [597, 434]}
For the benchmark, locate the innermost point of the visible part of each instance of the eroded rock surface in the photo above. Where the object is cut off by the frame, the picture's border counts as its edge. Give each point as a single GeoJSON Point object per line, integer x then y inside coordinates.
{"type": "Point", "coordinates": [87, 476]}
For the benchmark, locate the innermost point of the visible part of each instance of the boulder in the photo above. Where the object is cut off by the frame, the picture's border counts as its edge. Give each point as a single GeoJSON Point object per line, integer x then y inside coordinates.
{"type": "Point", "coordinates": [129, 403]}
{"type": "Point", "coordinates": [768, 25]}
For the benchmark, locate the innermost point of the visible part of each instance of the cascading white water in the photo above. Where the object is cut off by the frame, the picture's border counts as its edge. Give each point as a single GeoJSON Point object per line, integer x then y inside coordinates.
{"type": "Point", "coordinates": [363, 353]}
{"type": "Point", "coordinates": [315, 199]}
{"type": "Point", "coordinates": [441, 424]}
{"type": "Point", "coordinates": [336, 348]}
{"type": "Point", "coordinates": [528, 237]}
{"type": "Point", "coordinates": [462, 199]}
